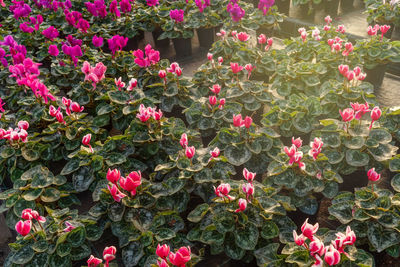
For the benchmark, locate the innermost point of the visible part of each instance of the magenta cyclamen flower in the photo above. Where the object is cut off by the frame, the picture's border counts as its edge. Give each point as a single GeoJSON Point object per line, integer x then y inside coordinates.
{"type": "Point", "coordinates": [50, 33]}
{"type": "Point", "coordinates": [20, 9]}
{"type": "Point", "coordinates": [146, 58]}
{"type": "Point", "coordinates": [97, 9]}
{"type": "Point", "coordinates": [202, 4]}
{"type": "Point", "coordinates": [53, 50]}
{"type": "Point", "coordinates": [125, 6]}
{"type": "Point", "coordinates": [114, 8]}
{"type": "Point", "coordinates": [97, 41]}
{"type": "Point", "coordinates": [237, 13]}
{"type": "Point", "coordinates": [152, 2]}
{"type": "Point", "coordinates": [265, 5]}
{"type": "Point", "coordinates": [116, 43]}
{"type": "Point", "coordinates": [177, 14]}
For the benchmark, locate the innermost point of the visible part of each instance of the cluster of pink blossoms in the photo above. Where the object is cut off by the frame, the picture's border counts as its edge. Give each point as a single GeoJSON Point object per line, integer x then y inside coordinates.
{"type": "Point", "coordinates": [317, 249]}
{"type": "Point", "coordinates": [373, 31]}
{"type": "Point", "coordinates": [18, 134]}
{"type": "Point", "coordinates": [177, 15]}
{"type": "Point", "coordinates": [86, 141]}
{"type": "Point", "coordinates": [179, 258]}
{"type": "Point", "coordinates": [69, 106]}
{"type": "Point", "coordinates": [108, 255]}
{"type": "Point", "coordinates": [146, 113]}
{"type": "Point", "coordinates": [175, 68]}
{"type": "Point", "coordinates": [358, 110]}
{"type": "Point", "coordinates": [236, 12]}
{"type": "Point", "coordinates": [147, 57]}
{"type": "Point", "coordinates": [75, 19]}
{"type": "Point", "coordinates": [295, 156]}
{"type": "Point", "coordinates": [213, 99]}
{"type": "Point", "coordinates": [116, 43]}
{"type": "Point", "coordinates": [210, 57]}
{"type": "Point", "coordinates": [239, 122]}
{"type": "Point", "coordinates": [351, 75]}
{"type": "Point", "coordinates": [130, 183]}
{"type": "Point", "coordinates": [336, 46]}
{"type": "Point", "coordinates": [202, 4]}
{"type": "Point", "coordinates": [19, 8]}
{"type": "Point", "coordinates": [24, 227]}
{"type": "Point", "coordinates": [262, 39]}
{"type": "Point", "coordinates": [94, 74]}
{"type": "Point", "coordinates": [34, 21]}
{"type": "Point", "coordinates": [189, 150]}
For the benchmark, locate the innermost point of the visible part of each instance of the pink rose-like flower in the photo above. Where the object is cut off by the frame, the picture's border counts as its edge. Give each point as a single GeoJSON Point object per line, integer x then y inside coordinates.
{"type": "Point", "coordinates": [237, 120]}
{"type": "Point", "coordinates": [190, 151]}
{"type": "Point", "coordinates": [216, 88]}
{"type": "Point", "coordinates": [181, 257]}
{"type": "Point", "coordinates": [332, 256]}
{"type": "Point", "coordinates": [177, 15]}
{"type": "Point", "coordinates": [223, 191]}
{"type": "Point", "coordinates": [215, 153]}
{"type": "Point", "coordinates": [147, 57]}
{"type": "Point", "coordinates": [243, 37]}
{"type": "Point", "coordinates": [372, 31]}
{"type": "Point", "coordinates": [242, 205]}
{"type": "Point", "coordinates": [317, 247]}
{"type": "Point", "coordinates": [212, 99]}
{"type": "Point", "coordinates": [115, 193]}
{"type": "Point", "coordinates": [373, 175]}
{"type": "Point", "coordinates": [109, 254]}
{"type": "Point", "coordinates": [162, 74]}
{"type": "Point", "coordinates": [343, 69]}
{"type": "Point", "coordinates": [347, 114]}
{"type": "Point", "coordinates": [113, 175]}
{"type": "Point", "coordinates": [184, 141]}
{"type": "Point", "coordinates": [309, 230]}
{"type": "Point", "coordinates": [376, 113]}
{"type": "Point", "coordinates": [131, 182]}
{"type": "Point", "coordinates": [53, 50]}
{"type": "Point", "coordinates": [23, 125]}
{"type": "Point", "coordinates": [249, 176]}
{"type": "Point", "coordinates": [328, 19]}
{"type": "Point", "coordinates": [359, 109]}
{"type": "Point", "coordinates": [93, 261]}
{"type": "Point", "coordinates": [162, 251]}
{"type": "Point", "coordinates": [235, 67]}
{"type": "Point", "coordinates": [86, 141]}
{"type": "Point", "coordinates": [384, 29]}
{"type": "Point", "coordinates": [23, 228]}
{"type": "Point", "coordinates": [297, 142]}
{"type": "Point", "coordinates": [97, 41]}
{"type": "Point", "coordinates": [262, 39]}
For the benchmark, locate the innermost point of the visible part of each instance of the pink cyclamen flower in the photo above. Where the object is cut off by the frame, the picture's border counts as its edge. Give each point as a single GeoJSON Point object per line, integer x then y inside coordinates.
{"type": "Point", "coordinates": [93, 261]}
{"type": "Point", "coordinates": [249, 176]}
{"type": "Point", "coordinates": [53, 50]}
{"type": "Point", "coordinates": [317, 247]}
{"type": "Point", "coordinates": [181, 257]}
{"type": "Point", "coordinates": [210, 57]}
{"type": "Point", "coordinates": [147, 57]}
{"type": "Point", "coordinates": [237, 13]}
{"type": "Point", "coordinates": [341, 28]}
{"type": "Point", "coordinates": [248, 189]}
{"type": "Point", "coordinates": [115, 193]}
{"type": "Point", "coordinates": [132, 84]}
{"type": "Point", "coordinates": [343, 69]}
{"type": "Point", "coordinates": [152, 2]}
{"type": "Point", "coordinates": [332, 256]}
{"type": "Point", "coordinates": [69, 227]}
{"type": "Point", "coordinates": [249, 69]}
{"type": "Point", "coordinates": [215, 153]}
{"type": "Point", "coordinates": [220, 61]}
{"type": "Point", "coordinates": [235, 67]}
{"type": "Point", "coordinates": [144, 113]}
{"type": "Point", "coordinates": [97, 41]}
{"type": "Point", "coordinates": [162, 251]}
{"type": "Point", "coordinates": [221, 33]}
{"type": "Point", "coordinates": [309, 230]}
{"type": "Point", "coordinates": [113, 175]}
{"type": "Point", "coordinates": [221, 103]}
{"type": "Point", "coordinates": [384, 29]}
{"type": "Point", "coordinates": [86, 141]}
{"type": "Point", "coordinates": [262, 39]}
{"type": "Point", "coordinates": [109, 254]}
{"type": "Point", "coordinates": [243, 37]}
{"type": "Point", "coordinates": [190, 151]}
{"type": "Point", "coordinates": [297, 142]}
{"type": "Point", "coordinates": [157, 115]}
{"type": "Point", "coordinates": [242, 205]}
{"type": "Point", "coordinates": [347, 114]}
{"type": "Point", "coordinates": [265, 5]}
{"type": "Point", "coordinates": [216, 88]}
{"type": "Point", "coordinates": [298, 239]}
{"type": "Point", "coordinates": [376, 113]}
{"type": "Point", "coordinates": [119, 83]}
{"type": "Point", "coordinates": [372, 31]}
{"type": "Point", "coordinates": [359, 109]}
{"type": "Point", "coordinates": [328, 19]}
{"type": "Point", "coordinates": [177, 15]}
{"type": "Point", "coordinates": [373, 175]}
{"type": "Point", "coordinates": [27, 214]}
{"type": "Point", "coordinates": [290, 151]}
{"type": "Point", "coordinates": [131, 182]}
{"type": "Point", "coordinates": [212, 99]}
{"type": "Point", "coordinates": [316, 147]}
{"type": "Point", "coordinates": [23, 228]}
{"type": "Point", "coordinates": [237, 120]}
{"type": "Point", "coordinates": [50, 33]}
{"type": "Point", "coordinates": [75, 107]}
{"type": "Point", "coordinates": [162, 263]}
{"type": "Point", "coordinates": [116, 43]}
{"type": "Point", "coordinates": [223, 191]}
{"type": "Point", "coordinates": [23, 125]}
{"type": "Point", "coordinates": [184, 140]}
{"type": "Point", "coordinates": [162, 74]}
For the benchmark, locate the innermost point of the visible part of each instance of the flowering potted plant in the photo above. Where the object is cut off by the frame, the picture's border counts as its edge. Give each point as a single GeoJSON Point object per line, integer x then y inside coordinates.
{"type": "Point", "coordinates": [383, 12]}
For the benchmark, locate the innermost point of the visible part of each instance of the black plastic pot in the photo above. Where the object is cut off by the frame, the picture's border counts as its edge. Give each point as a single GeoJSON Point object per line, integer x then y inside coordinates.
{"type": "Point", "coordinates": [376, 75]}
{"type": "Point", "coordinates": [283, 6]}
{"type": "Point", "coordinates": [347, 5]}
{"type": "Point", "coordinates": [206, 37]}
{"type": "Point", "coordinates": [164, 43]}
{"type": "Point", "coordinates": [331, 7]}
{"type": "Point", "coordinates": [183, 47]}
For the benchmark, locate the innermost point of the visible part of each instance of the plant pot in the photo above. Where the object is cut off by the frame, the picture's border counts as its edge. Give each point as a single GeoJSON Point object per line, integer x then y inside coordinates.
{"type": "Point", "coordinates": [206, 37]}
{"type": "Point", "coordinates": [283, 6]}
{"type": "Point", "coordinates": [183, 46]}
{"type": "Point", "coordinates": [331, 7]}
{"type": "Point", "coordinates": [376, 75]}
{"type": "Point", "coordinates": [347, 6]}
{"type": "Point", "coordinates": [305, 12]}
{"type": "Point", "coordinates": [164, 43]}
